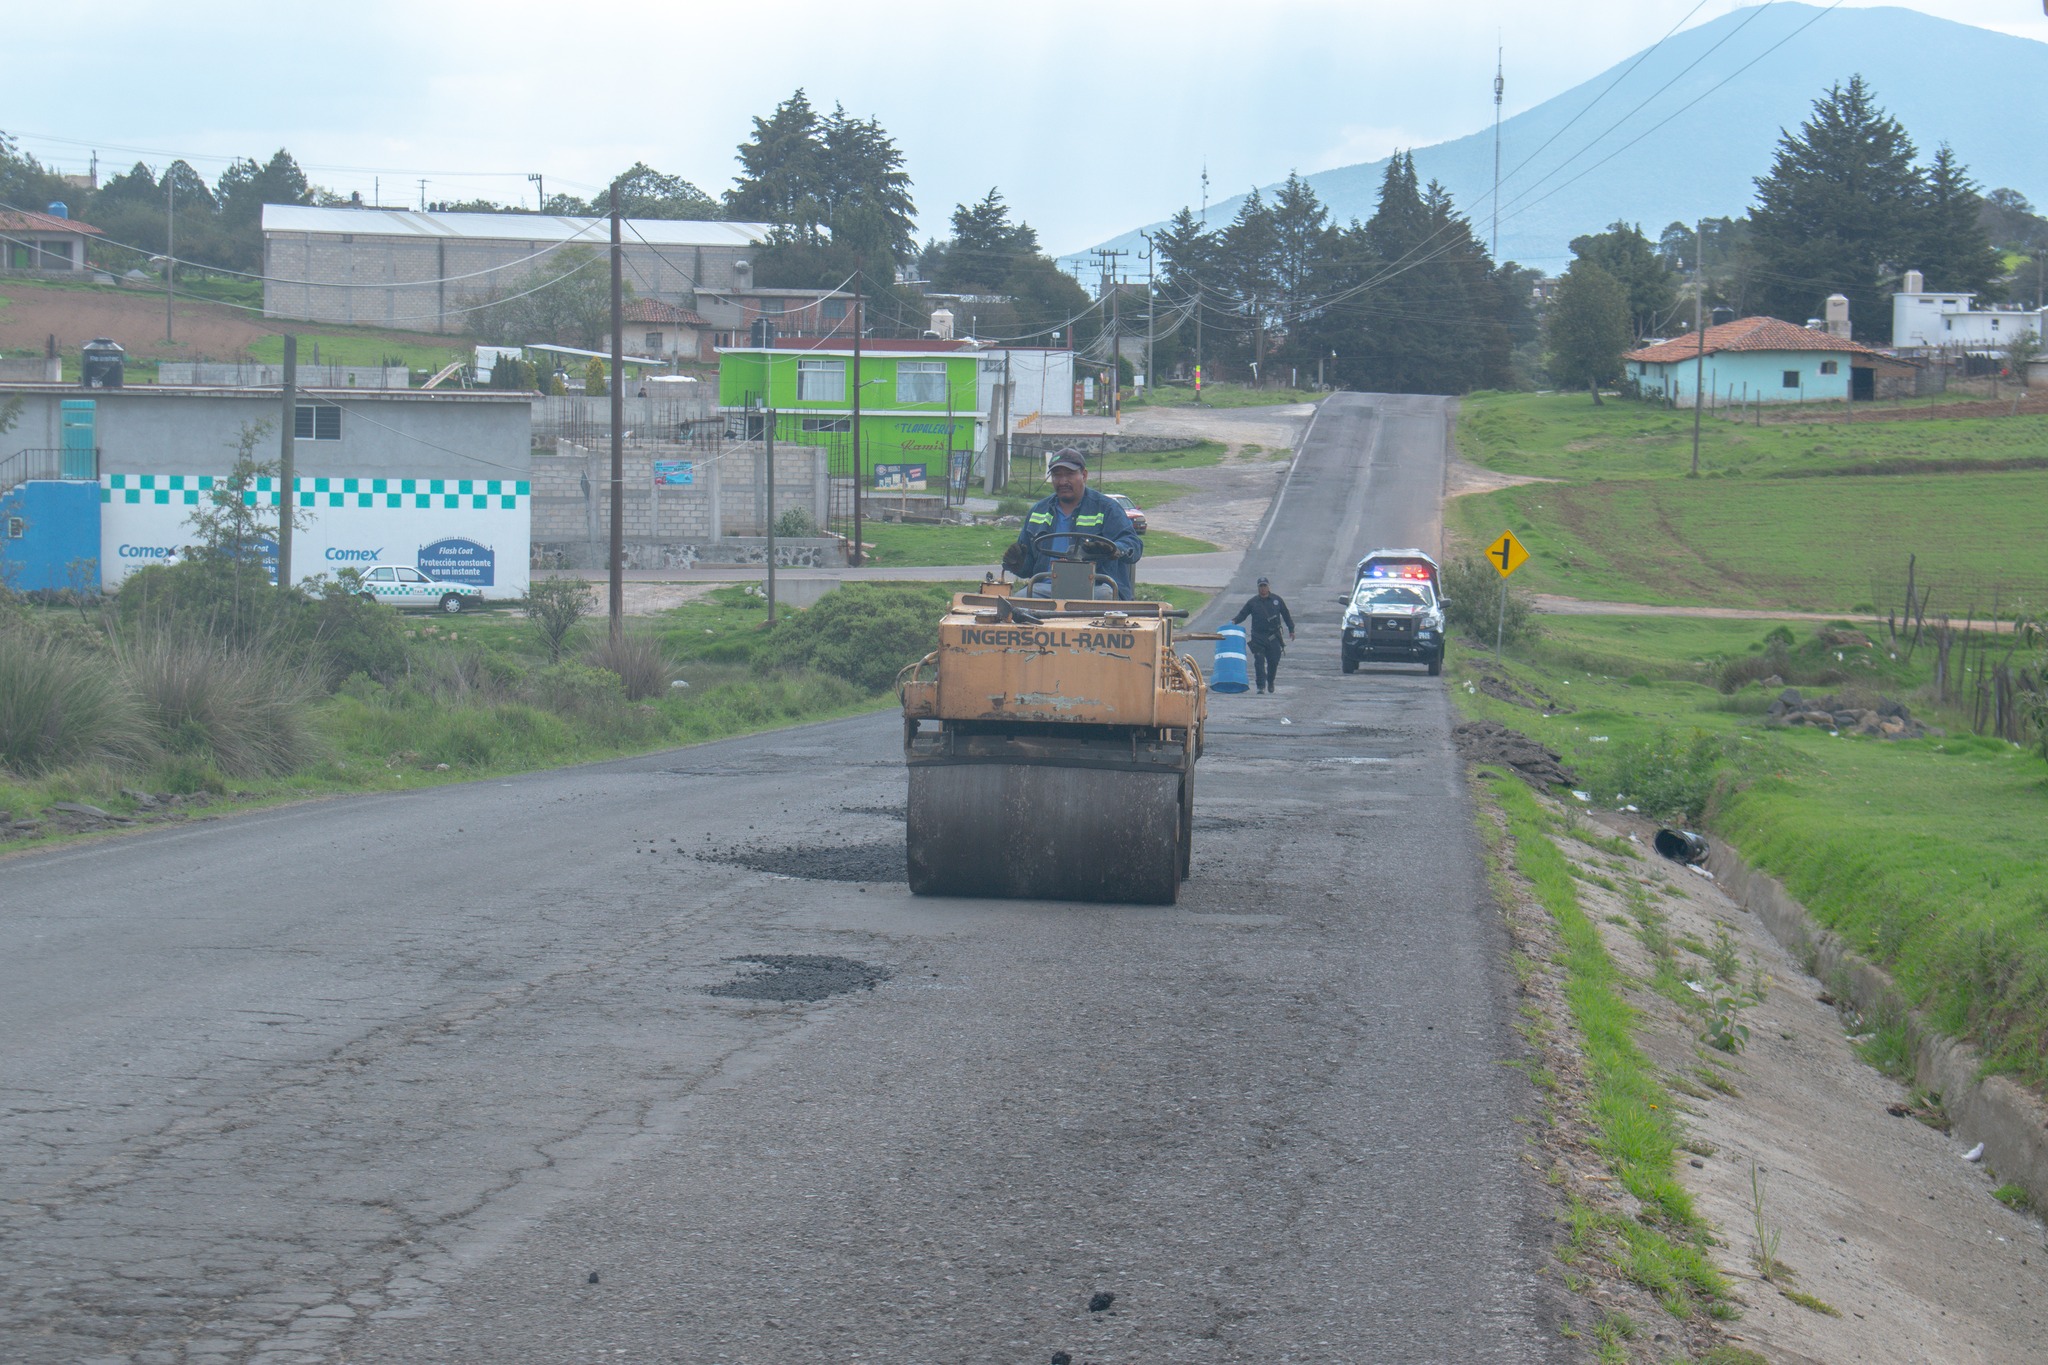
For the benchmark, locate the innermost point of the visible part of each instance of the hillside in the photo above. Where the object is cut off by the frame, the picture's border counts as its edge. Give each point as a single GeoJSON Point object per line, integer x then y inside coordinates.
{"type": "Point", "coordinates": [1591, 155]}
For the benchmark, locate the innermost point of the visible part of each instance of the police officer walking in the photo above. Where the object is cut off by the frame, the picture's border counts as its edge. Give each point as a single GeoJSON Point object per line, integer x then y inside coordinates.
{"type": "Point", "coordinates": [1267, 611]}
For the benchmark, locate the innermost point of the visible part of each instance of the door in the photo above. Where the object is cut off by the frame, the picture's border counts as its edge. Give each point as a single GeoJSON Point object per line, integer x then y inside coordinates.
{"type": "Point", "coordinates": [77, 417]}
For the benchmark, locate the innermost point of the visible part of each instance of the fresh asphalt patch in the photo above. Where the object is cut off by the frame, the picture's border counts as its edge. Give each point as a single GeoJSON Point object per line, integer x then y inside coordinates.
{"type": "Point", "coordinates": [880, 860]}
{"type": "Point", "coordinates": [799, 978]}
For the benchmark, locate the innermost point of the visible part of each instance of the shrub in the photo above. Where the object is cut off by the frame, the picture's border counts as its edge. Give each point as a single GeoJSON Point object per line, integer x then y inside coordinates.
{"type": "Point", "coordinates": [60, 705]}
{"type": "Point", "coordinates": [1472, 603]}
{"type": "Point", "coordinates": [570, 689]}
{"type": "Point", "coordinates": [638, 662]}
{"type": "Point", "coordinates": [863, 632]}
{"type": "Point", "coordinates": [795, 523]}
{"type": "Point", "coordinates": [555, 605]}
{"type": "Point", "coordinates": [232, 706]}
{"type": "Point", "coordinates": [1666, 777]}
{"type": "Point", "coordinates": [347, 635]}
{"type": "Point", "coordinates": [593, 379]}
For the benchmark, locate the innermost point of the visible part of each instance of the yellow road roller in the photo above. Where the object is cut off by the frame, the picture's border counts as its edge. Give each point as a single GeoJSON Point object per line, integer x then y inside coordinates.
{"type": "Point", "coordinates": [1051, 745]}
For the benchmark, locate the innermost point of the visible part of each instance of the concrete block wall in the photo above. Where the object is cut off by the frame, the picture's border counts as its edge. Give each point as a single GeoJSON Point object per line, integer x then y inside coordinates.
{"type": "Point", "coordinates": [572, 493]}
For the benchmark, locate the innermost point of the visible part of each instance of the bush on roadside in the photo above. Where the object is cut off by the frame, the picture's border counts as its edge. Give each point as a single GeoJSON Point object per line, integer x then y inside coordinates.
{"type": "Point", "coordinates": [795, 523]}
{"type": "Point", "coordinates": [60, 705]}
{"type": "Point", "coordinates": [555, 605]}
{"type": "Point", "coordinates": [638, 662]}
{"type": "Point", "coordinates": [1473, 603]}
{"type": "Point", "coordinates": [863, 632]}
{"type": "Point", "coordinates": [1666, 777]}
{"type": "Point", "coordinates": [218, 702]}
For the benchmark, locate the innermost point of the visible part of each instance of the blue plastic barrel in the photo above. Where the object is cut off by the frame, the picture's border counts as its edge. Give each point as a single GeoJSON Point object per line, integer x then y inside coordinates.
{"type": "Point", "coordinates": [1229, 671]}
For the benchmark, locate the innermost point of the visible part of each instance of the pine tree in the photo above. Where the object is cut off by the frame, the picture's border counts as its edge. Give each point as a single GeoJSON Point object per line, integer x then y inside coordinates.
{"type": "Point", "coordinates": [1955, 251]}
{"type": "Point", "coordinates": [1842, 211]}
{"type": "Point", "coordinates": [779, 172]}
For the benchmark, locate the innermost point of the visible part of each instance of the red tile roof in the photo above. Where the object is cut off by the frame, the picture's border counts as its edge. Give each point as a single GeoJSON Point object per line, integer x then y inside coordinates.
{"type": "Point", "coordinates": [11, 221]}
{"type": "Point", "coordinates": [654, 310]}
{"type": "Point", "coordinates": [1747, 334]}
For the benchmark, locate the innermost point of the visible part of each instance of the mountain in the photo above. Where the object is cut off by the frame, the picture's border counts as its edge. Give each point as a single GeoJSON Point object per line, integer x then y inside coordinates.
{"type": "Point", "coordinates": [1713, 101]}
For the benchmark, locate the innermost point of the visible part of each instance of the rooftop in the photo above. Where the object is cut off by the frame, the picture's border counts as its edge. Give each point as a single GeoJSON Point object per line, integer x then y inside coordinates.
{"type": "Point", "coordinates": [654, 310]}
{"type": "Point", "coordinates": [521, 227]}
{"type": "Point", "coordinates": [1747, 334]}
{"type": "Point", "coordinates": [14, 221]}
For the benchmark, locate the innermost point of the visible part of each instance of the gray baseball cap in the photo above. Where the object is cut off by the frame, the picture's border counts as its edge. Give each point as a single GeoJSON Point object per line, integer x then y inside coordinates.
{"type": "Point", "coordinates": [1069, 457]}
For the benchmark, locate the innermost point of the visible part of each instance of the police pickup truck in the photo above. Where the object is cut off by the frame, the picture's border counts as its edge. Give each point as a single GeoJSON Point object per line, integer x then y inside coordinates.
{"type": "Point", "coordinates": [407, 588]}
{"type": "Point", "coordinates": [1395, 612]}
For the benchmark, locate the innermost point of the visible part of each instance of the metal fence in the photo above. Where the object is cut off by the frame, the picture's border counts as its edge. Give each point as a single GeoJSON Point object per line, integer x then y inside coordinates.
{"type": "Point", "coordinates": [678, 418]}
{"type": "Point", "coordinates": [49, 462]}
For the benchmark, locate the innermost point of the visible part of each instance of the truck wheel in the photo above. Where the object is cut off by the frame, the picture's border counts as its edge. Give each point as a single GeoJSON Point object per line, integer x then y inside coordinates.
{"type": "Point", "coordinates": [1436, 662]}
{"type": "Point", "coordinates": [452, 604]}
{"type": "Point", "coordinates": [1350, 664]}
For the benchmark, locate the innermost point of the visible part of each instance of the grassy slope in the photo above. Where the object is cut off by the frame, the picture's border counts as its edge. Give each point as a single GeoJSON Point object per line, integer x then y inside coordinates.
{"type": "Point", "coordinates": [1819, 529]}
{"type": "Point", "coordinates": [1930, 855]}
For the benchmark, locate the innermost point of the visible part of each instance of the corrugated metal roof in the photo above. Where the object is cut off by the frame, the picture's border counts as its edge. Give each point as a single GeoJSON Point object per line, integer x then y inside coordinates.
{"type": "Point", "coordinates": [508, 227]}
{"type": "Point", "coordinates": [1747, 334]}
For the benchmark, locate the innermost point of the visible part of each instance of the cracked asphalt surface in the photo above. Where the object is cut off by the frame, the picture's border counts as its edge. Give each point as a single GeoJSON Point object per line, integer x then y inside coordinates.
{"type": "Point", "coordinates": [440, 1077]}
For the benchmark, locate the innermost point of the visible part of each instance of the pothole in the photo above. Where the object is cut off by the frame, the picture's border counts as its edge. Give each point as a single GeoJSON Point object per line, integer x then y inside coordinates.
{"type": "Point", "coordinates": [799, 977]}
{"type": "Point", "coordinates": [880, 860]}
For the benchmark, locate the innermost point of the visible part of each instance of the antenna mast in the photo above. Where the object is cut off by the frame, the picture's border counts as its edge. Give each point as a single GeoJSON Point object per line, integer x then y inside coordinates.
{"type": "Point", "coordinates": [1499, 85]}
{"type": "Point", "coordinates": [1205, 188]}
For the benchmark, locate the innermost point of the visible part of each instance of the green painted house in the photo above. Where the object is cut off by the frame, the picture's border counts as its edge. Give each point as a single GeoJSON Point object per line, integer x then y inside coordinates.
{"type": "Point", "coordinates": [918, 409]}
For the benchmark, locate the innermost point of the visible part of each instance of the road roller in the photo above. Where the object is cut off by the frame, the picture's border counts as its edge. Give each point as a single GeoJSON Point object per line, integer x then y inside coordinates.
{"type": "Point", "coordinates": [1051, 746]}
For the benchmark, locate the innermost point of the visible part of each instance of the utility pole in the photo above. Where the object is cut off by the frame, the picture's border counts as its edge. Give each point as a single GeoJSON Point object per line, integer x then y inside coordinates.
{"type": "Point", "coordinates": [617, 600]}
{"type": "Point", "coordinates": [287, 450]}
{"type": "Point", "coordinates": [769, 370]}
{"type": "Point", "coordinates": [1699, 365]}
{"type": "Point", "coordinates": [1108, 257]}
{"type": "Point", "coordinates": [858, 327]}
{"type": "Point", "coordinates": [1499, 85]}
{"type": "Point", "coordinates": [1198, 343]}
{"type": "Point", "coordinates": [1151, 306]}
{"type": "Point", "coordinates": [170, 244]}
{"type": "Point", "coordinates": [540, 184]}
{"type": "Point", "coordinates": [423, 196]}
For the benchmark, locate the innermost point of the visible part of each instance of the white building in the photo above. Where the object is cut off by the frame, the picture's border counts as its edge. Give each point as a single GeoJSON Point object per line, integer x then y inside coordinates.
{"type": "Point", "coordinates": [1930, 320]}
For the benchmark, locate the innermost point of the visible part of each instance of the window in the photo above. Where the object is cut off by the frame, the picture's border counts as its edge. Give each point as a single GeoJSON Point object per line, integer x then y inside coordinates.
{"type": "Point", "coordinates": [921, 381]}
{"type": "Point", "coordinates": [16, 528]}
{"type": "Point", "coordinates": [771, 308]}
{"type": "Point", "coordinates": [654, 343]}
{"type": "Point", "coordinates": [410, 576]}
{"type": "Point", "coordinates": [828, 424]}
{"type": "Point", "coordinates": [833, 310]}
{"type": "Point", "coordinates": [1994, 324]}
{"type": "Point", "coordinates": [1830, 367]}
{"type": "Point", "coordinates": [384, 575]}
{"type": "Point", "coordinates": [1791, 379]}
{"type": "Point", "coordinates": [821, 381]}
{"type": "Point", "coordinates": [317, 422]}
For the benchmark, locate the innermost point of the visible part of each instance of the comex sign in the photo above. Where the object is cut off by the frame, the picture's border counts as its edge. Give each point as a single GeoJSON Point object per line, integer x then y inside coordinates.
{"type": "Point", "coordinates": [156, 552]}
{"type": "Point", "coordinates": [338, 555]}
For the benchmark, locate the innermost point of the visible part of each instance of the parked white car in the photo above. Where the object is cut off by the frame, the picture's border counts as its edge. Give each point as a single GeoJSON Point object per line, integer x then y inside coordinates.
{"type": "Point", "coordinates": [409, 589]}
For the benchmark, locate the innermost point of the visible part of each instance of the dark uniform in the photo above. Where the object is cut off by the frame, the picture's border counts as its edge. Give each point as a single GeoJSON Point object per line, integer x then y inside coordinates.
{"type": "Point", "coordinates": [1268, 611]}
{"type": "Point", "coordinates": [1095, 515]}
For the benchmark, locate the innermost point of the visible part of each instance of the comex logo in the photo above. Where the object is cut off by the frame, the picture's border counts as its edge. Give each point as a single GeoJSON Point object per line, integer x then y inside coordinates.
{"type": "Point", "coordinates": [354, 556]}
{"type": "Point", "coordinates": [147, 551]}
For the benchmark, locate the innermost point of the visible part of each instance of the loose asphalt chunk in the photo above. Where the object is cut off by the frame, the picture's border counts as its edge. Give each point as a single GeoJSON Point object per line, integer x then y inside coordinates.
{"type": "Point", "coordinates": [800, 977]}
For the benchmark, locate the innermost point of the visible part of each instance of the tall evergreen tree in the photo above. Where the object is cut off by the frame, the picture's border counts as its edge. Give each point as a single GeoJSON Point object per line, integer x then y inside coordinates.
{"type": "Point", "coordinates": [1955, 251]}
{"type": "Point", "coordinates": [1842, 211]}
{"type": "Point", "coordinates": [779, 172]}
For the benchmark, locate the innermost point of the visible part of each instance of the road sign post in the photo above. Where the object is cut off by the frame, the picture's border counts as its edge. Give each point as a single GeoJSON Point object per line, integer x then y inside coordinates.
{"type": "Point", "coordinates": [1506, 555]}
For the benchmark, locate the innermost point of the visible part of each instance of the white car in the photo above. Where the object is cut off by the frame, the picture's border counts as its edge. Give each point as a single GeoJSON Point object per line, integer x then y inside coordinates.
{"type": "Point", "coordinates": [406, 588]}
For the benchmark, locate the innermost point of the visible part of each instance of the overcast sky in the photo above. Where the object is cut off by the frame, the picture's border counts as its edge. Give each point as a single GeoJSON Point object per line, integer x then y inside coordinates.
{"type": "Point", "coordinates": [1090, 117]}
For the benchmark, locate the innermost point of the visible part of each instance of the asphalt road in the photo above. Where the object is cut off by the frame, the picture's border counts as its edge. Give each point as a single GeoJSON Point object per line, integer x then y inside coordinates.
{"type": "Point", "coordinates": [439, 1077]}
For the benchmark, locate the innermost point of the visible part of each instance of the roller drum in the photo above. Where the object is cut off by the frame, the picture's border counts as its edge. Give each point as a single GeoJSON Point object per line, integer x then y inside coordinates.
{"type": "Point", "coordinates": [1045, 832]}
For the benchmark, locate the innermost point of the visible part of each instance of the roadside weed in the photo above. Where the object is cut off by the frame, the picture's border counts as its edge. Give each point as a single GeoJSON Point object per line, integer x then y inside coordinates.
{"type": "Point", "coordinates": [1765, 1258]}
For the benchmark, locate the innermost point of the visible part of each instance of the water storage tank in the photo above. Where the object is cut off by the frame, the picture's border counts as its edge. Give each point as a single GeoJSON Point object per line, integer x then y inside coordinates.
{"type": "Point", "coordinates": [764, 332]}
{"type": "Point", "coordinates": [102, 363]}
{"type": "Point", "coordinates": [58, 209]}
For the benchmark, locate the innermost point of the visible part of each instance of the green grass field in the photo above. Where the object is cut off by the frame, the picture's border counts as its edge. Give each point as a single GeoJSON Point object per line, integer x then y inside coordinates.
{"type": "Point", "coordinates": [362, 348]}
{"type": "Point", "coordinates": [1930, 855]}
{"type": "Point", "coordinates": [1832, 544]}
{"type": "Point", "coordinates": [1217, 395]}
{"type": "Point", "coordinates": [1563, 436]}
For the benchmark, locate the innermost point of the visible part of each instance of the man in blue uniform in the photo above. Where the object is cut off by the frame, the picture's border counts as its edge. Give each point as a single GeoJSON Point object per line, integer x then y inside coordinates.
{"type": "Point", "coordinates": [1074, 506]}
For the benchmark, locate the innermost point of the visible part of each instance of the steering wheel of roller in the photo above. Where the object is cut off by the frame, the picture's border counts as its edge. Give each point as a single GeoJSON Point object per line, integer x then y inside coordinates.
{"type": "Point", "coordinates": [1038, 543]}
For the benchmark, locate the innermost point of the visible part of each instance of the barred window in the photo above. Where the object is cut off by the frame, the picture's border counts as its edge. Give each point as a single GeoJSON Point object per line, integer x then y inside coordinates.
{"type": "Point", "coordinates": [828, 424]}
{"type": "Point", "coordinates": [317, 422]}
